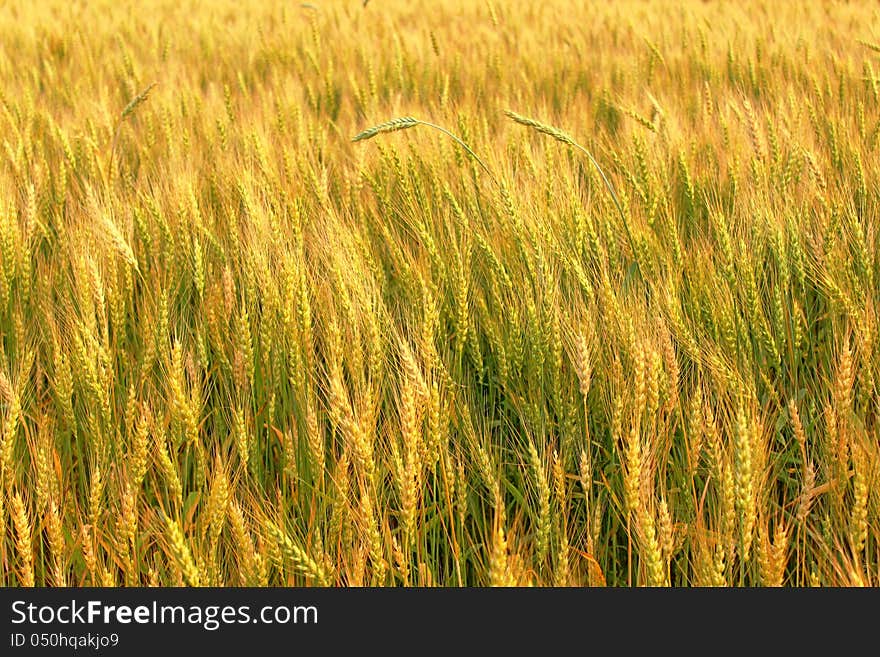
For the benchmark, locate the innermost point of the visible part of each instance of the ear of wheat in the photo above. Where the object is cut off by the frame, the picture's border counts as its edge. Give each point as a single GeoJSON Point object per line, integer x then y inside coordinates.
{"type": "Point", "coordinates": [136, 101]}
{"type": "Point", "coordinates": [544, 129]}
{"type": "Point", "coordinates": [869, 45]}
{"type": "Point", "coordinates": [400, 123]}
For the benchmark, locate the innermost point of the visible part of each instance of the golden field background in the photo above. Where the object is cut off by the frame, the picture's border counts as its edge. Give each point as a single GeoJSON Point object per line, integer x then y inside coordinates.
{"type": "Point", "coordinates": [240, 349]}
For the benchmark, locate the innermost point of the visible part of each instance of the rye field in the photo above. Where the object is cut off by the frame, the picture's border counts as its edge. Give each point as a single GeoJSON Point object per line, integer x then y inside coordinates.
{"type": "Point", "coordinates": [457, 293]}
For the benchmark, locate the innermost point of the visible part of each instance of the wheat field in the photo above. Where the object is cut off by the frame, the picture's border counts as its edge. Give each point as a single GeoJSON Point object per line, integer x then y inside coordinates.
{"type": "Point", "coordinates": [463, 294]}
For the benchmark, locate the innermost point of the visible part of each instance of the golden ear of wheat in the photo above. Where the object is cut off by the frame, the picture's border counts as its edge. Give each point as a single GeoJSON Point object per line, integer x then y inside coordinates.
{"type": "Point", "coordinates": [401, 123]}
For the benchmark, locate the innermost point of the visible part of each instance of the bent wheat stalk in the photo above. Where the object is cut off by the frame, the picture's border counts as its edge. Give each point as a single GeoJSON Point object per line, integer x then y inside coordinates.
{"type": "Point", "coordinates": [406, 122]}
{"type": "Point", "coordinates": [565, 138]}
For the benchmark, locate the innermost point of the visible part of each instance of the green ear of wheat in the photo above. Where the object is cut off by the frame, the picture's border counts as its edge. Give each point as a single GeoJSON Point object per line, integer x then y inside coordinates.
{"type": "Point", "coordinates": [405, 122]}
{"type": "Point", "coordinates": [137, 100]}
{"type": "Point", "coordinates": [543, 128]}
{"type": "Point", "coordinates": [401, 123]}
